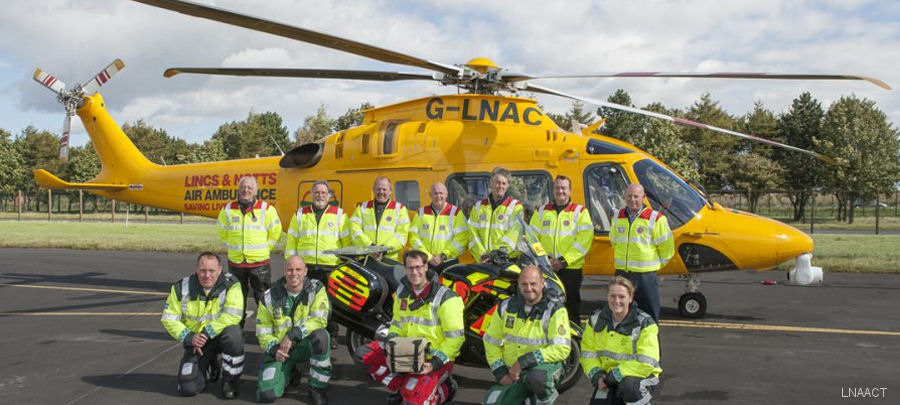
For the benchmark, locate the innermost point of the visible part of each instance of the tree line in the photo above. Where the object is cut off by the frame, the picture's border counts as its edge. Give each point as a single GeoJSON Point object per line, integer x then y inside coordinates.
{"type": "Point", "coordinates": [853, 131]}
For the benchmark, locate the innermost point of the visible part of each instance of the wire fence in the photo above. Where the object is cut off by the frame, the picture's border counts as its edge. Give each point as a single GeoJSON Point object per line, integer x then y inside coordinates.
{"type": "Point", "coordinates": [822, 211]}
{"type": "Point", "coordinates": [80, 206]}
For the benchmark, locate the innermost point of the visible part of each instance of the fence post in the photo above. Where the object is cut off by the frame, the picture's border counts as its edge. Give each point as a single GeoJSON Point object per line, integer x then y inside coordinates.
{"type": "Point", "coordinates": [146, 214]}
{"type": "Point", "coordinates": [812, 217]}
{"type": "Point", "coordinates": [80, 205]}
{"type": "Point", "coordinates": [877, 211]}
{"type": "Point", "coordinates": [19, 202]}
{"type": "Point", "coordinates": [182, 218]}
{"type": "Point", "coordinates": [113, 210]}
{"type": "Point", "coordinates": [49, 203]}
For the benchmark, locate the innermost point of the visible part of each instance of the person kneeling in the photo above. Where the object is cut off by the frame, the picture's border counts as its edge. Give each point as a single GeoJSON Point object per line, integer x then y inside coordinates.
{"type": "Point", "coordinates": [291, 328]}
{"type": "Point", "coordinates": [526, 343]}
{"type": "Point", "coordinates": [620, 349]}
{"type": "Point", "coordinates": [203, 312]}
{"type": "Point", "coordinates": [422, 308]}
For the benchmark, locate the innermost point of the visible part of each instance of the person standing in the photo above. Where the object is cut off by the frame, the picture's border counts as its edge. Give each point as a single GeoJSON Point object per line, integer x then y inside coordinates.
{"type": "Point", "coordinates": [250, 229]}
{"type": "Point", "coordinates": [422, 308]}
{"type": "Point", "coordinates": [381, 221]}
{"type": "Point", "coordinates": [439, 230]}
{"type": "Point", "coordinates": [493, 221]}
{"type": "Point", "coordinates": [291, 328]}
{"type": "Point", "coordinates": [202, 312]}
{"type": "Point", "coordinates": [314, 229]}
{"type": "Point", "coordinates": [565, 231]}
{"type": "Point", "coordinates": [526, 343]}
{"type": "Point", "coordinates": [620, 349]}
{"type": "Point", "coordinates": [642, 244]}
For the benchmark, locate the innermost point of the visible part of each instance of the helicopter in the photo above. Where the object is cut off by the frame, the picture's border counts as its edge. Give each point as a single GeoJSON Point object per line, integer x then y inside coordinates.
{"type": "Point", "coordinates": [456, 139]}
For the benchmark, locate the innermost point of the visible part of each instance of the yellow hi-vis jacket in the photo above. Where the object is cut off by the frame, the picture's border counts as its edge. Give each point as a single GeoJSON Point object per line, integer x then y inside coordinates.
{"type": "Point", "coordinates": [438, 317]}
{"type": "Point", "coordinates": [391, 231]}
{"type": "Point", "coordinates": [490, 229]}
{"type": "Point", "coordinates": [566, 234]}
{"type": "Point", "coordinates": [280, 314]}
{"type": "Point", "coordinates": [631, 349]}
{"type": "Point", "coordinates": [645, 244]}
{"type": "Point", "coordinates": [189, 310]}
{"type": "Point", "coordinates": [444, 232]}
{"type": "Point", "coordinates": [540, 336]}
{"type": "Point", "coordinates": [308, 239]}
{"type": "Point", "coordinates": [249, 237]}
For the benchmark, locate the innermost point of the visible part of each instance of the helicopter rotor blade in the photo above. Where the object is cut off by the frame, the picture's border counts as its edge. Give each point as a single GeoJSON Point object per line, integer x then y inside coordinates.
{"type": "Point", "coordinates": [101, 78]}
{"type": "Point", "coordinates": [299, 34]}
{"type": "Point", "coordinates": [49, 81]}
{"type": "Point", "coordinates": [676, 120]}
{"type": "Point", "coordinates": [713, 75]}
{"type": "Point", "coordinates": [64, 139]}
{"type": "Point", "coordinates": [305, 73]}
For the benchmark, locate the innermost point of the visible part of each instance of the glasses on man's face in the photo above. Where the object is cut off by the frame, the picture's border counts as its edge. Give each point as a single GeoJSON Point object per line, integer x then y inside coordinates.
{"type": "Point", "coordinates": [416, 268]}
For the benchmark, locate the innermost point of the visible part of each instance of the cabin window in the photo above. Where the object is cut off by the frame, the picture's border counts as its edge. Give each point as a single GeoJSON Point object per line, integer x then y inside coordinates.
{"type": "Point", "coordinates": [339, 146]}
{"type": "Point", "coordinates": [364, 146]}
{"type": "Point", "coordinates": [604, 193]}
{"type": "Point", "coordinates": [407, 192]}
{"type": "Point", "coordinates": [531, 188]}
{"type": "Point", "coordinates": [389, 138]}
{"type": "Point", "coordinates": [668, 193]}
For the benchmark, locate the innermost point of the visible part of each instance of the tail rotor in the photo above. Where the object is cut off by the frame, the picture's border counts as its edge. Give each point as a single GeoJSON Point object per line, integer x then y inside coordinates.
{"type": "Point", "coordinates": [72, 99]}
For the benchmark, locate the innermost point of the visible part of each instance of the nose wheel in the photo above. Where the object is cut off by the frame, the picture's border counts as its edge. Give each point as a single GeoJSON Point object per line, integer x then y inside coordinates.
{"type": "Point", "coordinates": [692, 304]}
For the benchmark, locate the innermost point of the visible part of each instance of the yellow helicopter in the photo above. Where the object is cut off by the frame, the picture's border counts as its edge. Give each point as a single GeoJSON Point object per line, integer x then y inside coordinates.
{"type": "Point", "coordinates": [456, 139]}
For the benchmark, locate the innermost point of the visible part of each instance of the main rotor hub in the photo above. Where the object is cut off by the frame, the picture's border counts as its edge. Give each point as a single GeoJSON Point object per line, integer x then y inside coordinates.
{"type": "Point", "coordinates": [481, 65]}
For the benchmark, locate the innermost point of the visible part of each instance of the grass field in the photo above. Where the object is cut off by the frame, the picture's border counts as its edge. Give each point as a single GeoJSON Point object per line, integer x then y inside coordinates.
{"type": "Point", "coordinates": [857, 253]}
{"type": "Point", "coordinates": [109, 236]}
{"type": "Point", "coordinates": [841, 253]}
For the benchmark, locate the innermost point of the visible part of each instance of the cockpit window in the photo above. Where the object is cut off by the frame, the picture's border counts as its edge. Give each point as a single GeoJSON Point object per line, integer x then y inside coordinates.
{"type": "Point", "coordinates": [668, 193]}
{"type": "Point", "coordinates": [604, 185]}
{"type": "Point", "coordinates": [531, 188]}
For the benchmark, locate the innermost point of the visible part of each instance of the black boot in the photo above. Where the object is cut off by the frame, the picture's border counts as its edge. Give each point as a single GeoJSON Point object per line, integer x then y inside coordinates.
{"type": "Point", "coordinates": [394, 399]}
{"type": "Point", "coordinates": [229, 389]}
{"type": "Point", "coordinates": [452, 387]}
{"type": "Point", "coordinates": [318, 396]}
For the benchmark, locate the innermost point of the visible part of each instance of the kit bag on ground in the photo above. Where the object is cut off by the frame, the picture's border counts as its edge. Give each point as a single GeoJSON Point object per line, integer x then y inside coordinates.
{"type": "Point", "coordinates": [406, 355]}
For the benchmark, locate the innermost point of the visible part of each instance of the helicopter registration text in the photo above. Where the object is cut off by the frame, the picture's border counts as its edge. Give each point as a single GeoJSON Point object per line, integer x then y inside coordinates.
{"type": "Point", "coordinates": [483, 110]}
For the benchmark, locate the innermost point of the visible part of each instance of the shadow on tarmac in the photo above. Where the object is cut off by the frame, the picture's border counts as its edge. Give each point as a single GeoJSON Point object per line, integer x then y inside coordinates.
{"type": "Point", "coordinates": [89, 279]}
{"type": "Point", "coordinates": [63, 308]}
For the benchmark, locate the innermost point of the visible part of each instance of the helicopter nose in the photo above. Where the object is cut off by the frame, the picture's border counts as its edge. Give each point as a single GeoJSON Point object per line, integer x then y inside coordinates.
{"type": "Point", "coordinates": [791, 242]}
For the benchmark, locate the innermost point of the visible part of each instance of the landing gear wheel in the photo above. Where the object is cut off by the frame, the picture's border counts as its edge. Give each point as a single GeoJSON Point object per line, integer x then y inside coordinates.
{"type": "Point", "coordinates": [692, 305]}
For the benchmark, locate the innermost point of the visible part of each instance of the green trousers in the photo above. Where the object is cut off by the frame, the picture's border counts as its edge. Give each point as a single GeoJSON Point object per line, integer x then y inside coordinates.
{"type": "Point", "coordinates": [274, 375]}
{"type": "Point", "coordinates": [536, 385]}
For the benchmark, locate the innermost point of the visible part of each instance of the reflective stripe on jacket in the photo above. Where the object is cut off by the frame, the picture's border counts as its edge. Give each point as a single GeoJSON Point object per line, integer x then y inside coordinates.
{"type": "Point", "coordinates": [540, 336]}
{"type": "Point", "coordinates": [308, 239]}
{"type": "Point", "coordinates": [645, 244]}
{"type": "Point", "coordinates": [273, 321]}
{"type": "Point", "coordinates": [490, 229]}
{"type": "Point", "coordinates": [249, 237]}
{"type": "Point", "coordinates": [391, 231]}
{"type": "Point", "coordinates": [632, 346]}
{"type": "Point", "coordinates": [566, 234]}
{"type": "Point", "coordinates": [437, 317]}
{"type": "Point", "coordinates": [435, 233]}
{"type": "Point", "coordinates": [189, 310]}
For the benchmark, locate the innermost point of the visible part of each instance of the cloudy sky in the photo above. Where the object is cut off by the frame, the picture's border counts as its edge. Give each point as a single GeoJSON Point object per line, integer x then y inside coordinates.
{"type": "Point", "coordinates": [74, 39]}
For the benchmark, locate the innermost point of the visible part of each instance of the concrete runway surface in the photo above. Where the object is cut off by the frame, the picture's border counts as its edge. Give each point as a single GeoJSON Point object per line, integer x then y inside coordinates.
{"type": "Point", "coordinates": [83, 327]}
